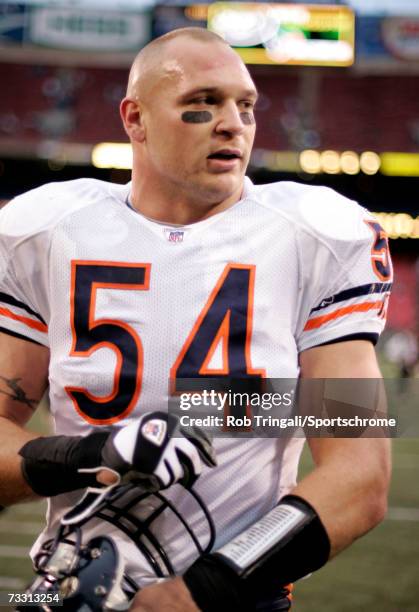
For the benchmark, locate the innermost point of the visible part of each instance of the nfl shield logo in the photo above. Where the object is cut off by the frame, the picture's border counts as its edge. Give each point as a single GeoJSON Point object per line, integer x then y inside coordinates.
{"type": "Point", "coordinates": [174, 236]}
{"type": "Point", "coordinates": [154, 431]}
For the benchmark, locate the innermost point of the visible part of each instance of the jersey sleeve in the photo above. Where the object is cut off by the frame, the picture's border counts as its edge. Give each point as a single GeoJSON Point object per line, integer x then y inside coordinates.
{"type": "Point", "coordinates": [23, 270]}
{"type": "Point", "coordinates": [346, 272]}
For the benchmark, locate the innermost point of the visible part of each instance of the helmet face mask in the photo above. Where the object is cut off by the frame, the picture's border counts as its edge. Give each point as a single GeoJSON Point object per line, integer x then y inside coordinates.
{"type": "Point", "coordinates": [88, 578]}
{"type": "Point", "coordinates": [91, 577]}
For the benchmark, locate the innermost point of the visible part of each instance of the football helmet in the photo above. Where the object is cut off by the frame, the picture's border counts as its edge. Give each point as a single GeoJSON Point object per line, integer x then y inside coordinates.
{"type": "Point", "coordinates": [91, 577]}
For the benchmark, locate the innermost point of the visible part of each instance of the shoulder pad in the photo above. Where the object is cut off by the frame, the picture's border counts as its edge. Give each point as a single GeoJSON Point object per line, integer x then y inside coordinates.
{"type": "Point", "coordinates": [40, 209]}
{"type": "Point", "coordinates": [320, 211]}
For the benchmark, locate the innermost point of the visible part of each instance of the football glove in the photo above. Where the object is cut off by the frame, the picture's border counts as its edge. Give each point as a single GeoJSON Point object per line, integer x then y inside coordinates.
{"type": "Point", "coordinates": [155, 447]}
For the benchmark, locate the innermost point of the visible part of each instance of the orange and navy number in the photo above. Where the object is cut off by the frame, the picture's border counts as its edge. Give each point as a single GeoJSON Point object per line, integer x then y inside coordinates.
{"type": "Point", "coordinates": [227, 317]}
{"type": "Point", "coordinates": [90, 334]}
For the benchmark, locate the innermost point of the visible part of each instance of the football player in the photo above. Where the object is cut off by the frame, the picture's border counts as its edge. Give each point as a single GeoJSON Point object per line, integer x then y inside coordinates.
{"type": "Point", "coordinates": [190, 270]}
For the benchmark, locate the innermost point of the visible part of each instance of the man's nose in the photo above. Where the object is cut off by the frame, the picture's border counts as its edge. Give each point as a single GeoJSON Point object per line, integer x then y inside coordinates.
{"type": "Point", "coordinates": [230, 120]}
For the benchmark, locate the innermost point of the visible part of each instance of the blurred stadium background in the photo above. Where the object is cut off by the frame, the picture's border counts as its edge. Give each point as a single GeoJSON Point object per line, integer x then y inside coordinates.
{"type": "Point", "coordinates": [339, 107]}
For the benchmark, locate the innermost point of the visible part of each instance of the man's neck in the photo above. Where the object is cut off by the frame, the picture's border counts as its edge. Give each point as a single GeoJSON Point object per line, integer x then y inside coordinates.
{"type": "Point", "coordinates": [175, 209]}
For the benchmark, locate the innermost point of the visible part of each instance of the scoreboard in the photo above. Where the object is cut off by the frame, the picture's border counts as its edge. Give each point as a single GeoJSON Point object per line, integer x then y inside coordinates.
{"type": "Point", "coordinates": [271, 33]}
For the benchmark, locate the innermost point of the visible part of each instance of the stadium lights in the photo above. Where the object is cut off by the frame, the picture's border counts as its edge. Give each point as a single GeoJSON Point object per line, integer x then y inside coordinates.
{"type": "Point", "coordinates": [399, 225]}
{"type": "Point", "coordinates": [333, 162]}
{"type": "Point", "coordinates": [116, 155]}
{"type": "Point", "coordinates": [310, 161]}
{"type": "Point", "coordinates": [370, 162]}
{"type": "Point", "coordinates": [276, 161]}
{"type": "Point", "coordinates": [350, 162]}
{"type": "Point", "coordinates": [400, 164]}
{"type": "Point", "coordinates": [330, 162]}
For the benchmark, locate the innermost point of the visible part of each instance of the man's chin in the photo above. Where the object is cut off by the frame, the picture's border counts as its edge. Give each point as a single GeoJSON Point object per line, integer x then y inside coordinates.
{"type": "Point", "coordinates": [224, 186]}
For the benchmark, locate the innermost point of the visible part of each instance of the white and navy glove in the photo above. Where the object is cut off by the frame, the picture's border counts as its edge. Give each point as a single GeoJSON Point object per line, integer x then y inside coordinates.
{"type": "Point", "coordinates": [155, 447]}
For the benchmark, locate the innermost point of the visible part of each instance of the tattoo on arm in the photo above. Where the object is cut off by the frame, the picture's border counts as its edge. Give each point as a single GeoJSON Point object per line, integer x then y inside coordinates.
{"type": "Point", "coordinates": [17, 393]}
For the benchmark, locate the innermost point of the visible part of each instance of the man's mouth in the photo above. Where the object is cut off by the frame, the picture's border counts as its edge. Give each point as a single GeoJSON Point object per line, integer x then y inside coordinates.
{"type": "Point", "coordinates": [226, 154]}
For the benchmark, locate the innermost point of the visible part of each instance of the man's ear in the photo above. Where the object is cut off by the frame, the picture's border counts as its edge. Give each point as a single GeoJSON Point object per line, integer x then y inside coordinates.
{"type": "Point", "coordinates": [132, 119]}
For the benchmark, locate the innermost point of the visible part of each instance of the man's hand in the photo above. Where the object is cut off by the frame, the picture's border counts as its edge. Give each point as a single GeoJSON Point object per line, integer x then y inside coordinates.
{"type": "Point", "coordinates": [156, 446]}
{"type": "Point", "coordinates": [168, 596]}
{"type": "Point", "coordinates": [153, 447]}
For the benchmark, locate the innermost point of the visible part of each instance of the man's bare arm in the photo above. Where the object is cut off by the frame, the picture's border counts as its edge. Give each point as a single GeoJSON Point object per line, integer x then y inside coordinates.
{"type": "Point", "coordinates": [23, 380]}
{"type": "Point", "coordinates": [349, 485]}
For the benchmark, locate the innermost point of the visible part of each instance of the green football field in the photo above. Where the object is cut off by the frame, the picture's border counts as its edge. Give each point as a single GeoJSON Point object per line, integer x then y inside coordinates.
{"type": "Point", "coordinates": [379, 573]}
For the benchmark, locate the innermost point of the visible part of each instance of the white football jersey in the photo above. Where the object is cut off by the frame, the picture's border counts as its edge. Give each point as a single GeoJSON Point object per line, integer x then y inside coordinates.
{"type": "Point", "coordinates": [125, 303]}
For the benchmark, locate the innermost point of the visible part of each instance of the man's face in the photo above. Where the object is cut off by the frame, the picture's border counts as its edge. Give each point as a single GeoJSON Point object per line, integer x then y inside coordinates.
{"type": "Point", "coordinates": [199, 122]}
